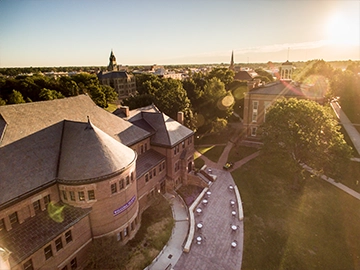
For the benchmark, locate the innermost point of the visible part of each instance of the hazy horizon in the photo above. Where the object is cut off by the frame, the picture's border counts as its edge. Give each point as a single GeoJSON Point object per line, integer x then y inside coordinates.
{"type": "Point", "coordinates": [82, 33]}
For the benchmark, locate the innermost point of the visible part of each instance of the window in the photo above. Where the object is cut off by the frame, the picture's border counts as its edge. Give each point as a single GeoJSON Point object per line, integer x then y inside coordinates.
{"type": "Point", "coordinates": [255, 111]}
{"type": "Point", "coordinates": [121, 184]}
{"type": "Point", "coordinates": [145, 147]}
{"type": "Point", "coordinates": [14, 218]}
{"type": "Point", "coordinates": [64, 268]}
{"type": "Point", "coordinates": [91, 195]}
{"type": "Point", "coordinates": [141, 149]}
{"type": "Point", "coordinates": [253, 131]}
{"type": "Point", "coordinates": [47, 200]}
{"type": "Point", "coordinates": [150, 174]}
{"type": "Point", "coordinates": [113, 188]}
{"type": "Point", "coordinates": [48, 252]}
{"type": "Point", "coordinates": [132, 225]}
{"type": "Point", "coordinates": [146, 177]}
{"type": "Point", "coordinates": [183, 145]}
{"type": "Point", "coordinates": [267, 105]}
{"type": "Point", "coordinates": [254, 116]}
{"type": "Point", "coordinates": [58, 244]}
{"type": "Point", "coordinates": [72, 195]}
{"type": "Point", "coordinates": [81, 196]}
{"type": "Point", "coordinates": [28, 265]}
{"type": "Point", "coordinates": [2, 224]}
{"type": "Point", "coordinates": [125, 232]}
{"type": "Point", "coordinates": [68, 237]}
{"type": "Point", "coordinates": [64, 195]}
{"type": "Point", "coordinates": [163, 165]}
{"type": "Point", "coordinates": [132, 176]}
{"type": "Point", "coordinates": [37, 207]}
{"type": "Point", "coordinates": [127, 180]}
{"type": "Point", "coordinates": [154, 171]}
{"type": "Point", "coordinates": [160, 167]}
{"type": "Point", "coordinates": [73, 264]}
{"type": "Point", "coordinates": [176, 149]}
{"type": "Point", "coordinates": [177, 166]}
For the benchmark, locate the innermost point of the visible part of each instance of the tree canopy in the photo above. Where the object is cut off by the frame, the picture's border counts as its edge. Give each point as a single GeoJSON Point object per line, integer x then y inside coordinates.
{"type": "Point", "coordinates": [39, 87]}
{"type": "Point", "coordinates": [305, 132]}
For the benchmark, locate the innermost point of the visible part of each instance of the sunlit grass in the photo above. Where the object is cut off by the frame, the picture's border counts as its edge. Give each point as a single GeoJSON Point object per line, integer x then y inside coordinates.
{"type": "Point", "coordinates": [312, 225]}
{"type": "Point", "coordinates": [212, 152]}
{"type": "Point", "coordinates": [111, 107]}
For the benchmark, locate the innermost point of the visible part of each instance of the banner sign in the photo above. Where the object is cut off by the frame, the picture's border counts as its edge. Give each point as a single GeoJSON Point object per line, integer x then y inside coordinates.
{"type": "Point", "coordinates": [125, 206]}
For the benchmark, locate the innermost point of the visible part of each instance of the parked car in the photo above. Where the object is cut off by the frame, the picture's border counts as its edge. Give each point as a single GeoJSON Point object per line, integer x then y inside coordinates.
{"type": "Point", "coordinates": [228, 165]}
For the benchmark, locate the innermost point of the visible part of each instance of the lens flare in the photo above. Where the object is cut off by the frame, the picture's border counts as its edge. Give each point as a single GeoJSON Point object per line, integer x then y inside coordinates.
{"type": "Point", "coordinates": [225, 102]}
{"type": "Point", "coordinates": [56, 212]}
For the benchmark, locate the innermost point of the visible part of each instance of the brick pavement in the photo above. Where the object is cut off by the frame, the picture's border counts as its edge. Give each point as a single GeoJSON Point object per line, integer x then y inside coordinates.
{"type": "Point", "coordinates": [216, 252]}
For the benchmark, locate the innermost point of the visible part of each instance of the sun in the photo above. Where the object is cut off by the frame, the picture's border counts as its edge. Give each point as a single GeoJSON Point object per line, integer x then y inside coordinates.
{"type": "Point", "coordinates": [343, 30]}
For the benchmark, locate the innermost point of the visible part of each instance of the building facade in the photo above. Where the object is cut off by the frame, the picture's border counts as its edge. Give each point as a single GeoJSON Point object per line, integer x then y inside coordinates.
{"type": "Point", "coordinates": [123, 82]}
{"type": "Point", "coordinates": [261, 96]}
{"type": "Point", "coordinates": [74, 172]}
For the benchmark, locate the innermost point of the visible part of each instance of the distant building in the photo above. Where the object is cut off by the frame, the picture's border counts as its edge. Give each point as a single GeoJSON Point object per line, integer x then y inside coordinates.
{"type": "Point", "coordinates": [71, 172]}
{"type": "Point", "coordinates": [119, 79]}
{"type": "Point", "coordinates": [261, 96]}
{"type": "Point", "coordinates": [232, 64]}
{"type": "Point", "coordinates": [160, 71]}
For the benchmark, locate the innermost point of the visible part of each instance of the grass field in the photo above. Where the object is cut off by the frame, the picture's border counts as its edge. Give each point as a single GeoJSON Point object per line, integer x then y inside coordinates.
{"type": "Point", "coordinates": [315, 226]}
{"type": "Point", "coordinates": [211, 152]}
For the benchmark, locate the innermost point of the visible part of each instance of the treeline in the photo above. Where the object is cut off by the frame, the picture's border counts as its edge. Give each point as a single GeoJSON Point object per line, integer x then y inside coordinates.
{"type": "Point", "coordinates": [13, 72]}
{"type": "Point", "coordinates": [38, 87]}
{"type": "Point", "coordinates": [207, 100]}
{"type": "Point", "coordinates": [338, 82]}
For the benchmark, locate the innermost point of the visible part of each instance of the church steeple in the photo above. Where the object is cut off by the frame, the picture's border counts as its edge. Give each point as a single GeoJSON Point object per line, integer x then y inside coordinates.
{"type": "Point", "coordinates": [232, 67]}
{"type": "Point", "coordinates": [112, 62]}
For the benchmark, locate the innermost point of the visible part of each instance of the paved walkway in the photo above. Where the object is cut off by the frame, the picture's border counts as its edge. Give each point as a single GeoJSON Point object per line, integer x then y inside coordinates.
{"type": "Point", "coordinates": [215, 252]}
{"type": "Point", "coordinates": [349, 127]}
{"type": "Point", "coordinates": [174, 248]}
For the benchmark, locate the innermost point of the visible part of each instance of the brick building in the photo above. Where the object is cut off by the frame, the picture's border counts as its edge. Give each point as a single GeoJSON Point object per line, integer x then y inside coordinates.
{"type": "Point", "coordinates": [261, 96]}
{"type": "Point", "coordinates": [71, 172]}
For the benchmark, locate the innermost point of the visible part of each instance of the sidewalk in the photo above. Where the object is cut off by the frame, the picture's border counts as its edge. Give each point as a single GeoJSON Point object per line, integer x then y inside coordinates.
{"type": "Point", "coordinates": [350, 129]}
{"type": "Point", "coordinates": [171, 253]}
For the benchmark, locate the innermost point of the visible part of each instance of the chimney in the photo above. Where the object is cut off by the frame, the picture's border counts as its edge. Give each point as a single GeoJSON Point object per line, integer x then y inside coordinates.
{"type": "Point", "coordinates": [180, 117]}
{"type": "Point", "coordinates": [125, 110]}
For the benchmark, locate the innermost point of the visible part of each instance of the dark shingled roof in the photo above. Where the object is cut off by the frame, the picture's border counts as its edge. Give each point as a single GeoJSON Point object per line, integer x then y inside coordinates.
{"type": "Point", "coordinates": [113, 75]}
{"type": "Point", "coordinates": [147, 160]}
{"type": "Point", "coordinates": [34, 233]}
{"type": "Point", "coordinates": [29, 150]}
{"type": "Point", "coordinates": [243, 76]}
{"type": "Point", "coordinates": [279, 88]}
{"type": "Point", "coordinates": [166, 131]}
{"type": "Point", "coordinates": [87, 153]}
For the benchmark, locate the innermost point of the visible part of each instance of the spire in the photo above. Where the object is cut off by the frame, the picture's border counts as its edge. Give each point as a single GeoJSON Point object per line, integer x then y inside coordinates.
{"type": "Point", "coordinates": [232, 67]}
{"type": "Point", "coordinates": [112, 62]}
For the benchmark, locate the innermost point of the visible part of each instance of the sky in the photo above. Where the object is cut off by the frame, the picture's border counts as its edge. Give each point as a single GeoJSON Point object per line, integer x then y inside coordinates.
{"type": "Point", "coordinates": [49, 33]}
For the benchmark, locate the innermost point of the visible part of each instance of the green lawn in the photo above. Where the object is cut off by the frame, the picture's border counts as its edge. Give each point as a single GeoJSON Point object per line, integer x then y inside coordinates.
{"type": "Point", "coordinates": [111, 107]}
{"type": "Point", "coordinates": [240, 152]}
{"type": "Point", "coordinates": [313, 226]}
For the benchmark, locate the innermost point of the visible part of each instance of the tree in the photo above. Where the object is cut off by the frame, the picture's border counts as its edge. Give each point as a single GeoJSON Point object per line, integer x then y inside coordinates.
{"type": "Point", "coordinates": [305, 132]}
{"type": "Point", "coordinates": [16, 98]}
{"type": "Point", "coordinates": [225, 75]}
{"type": "Point", "coordinates": [264, 74]}
{"type": "Point", "coordinates": [97, 95]}
{"type": "Point", "coordinates": [2, 102]}
{"type": "Point", "coordinates": [47, 94]}
{"type": "Point", "coordinates": [110, 94]}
